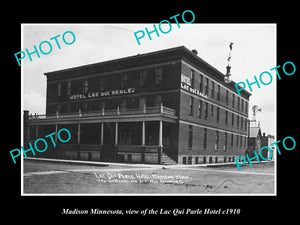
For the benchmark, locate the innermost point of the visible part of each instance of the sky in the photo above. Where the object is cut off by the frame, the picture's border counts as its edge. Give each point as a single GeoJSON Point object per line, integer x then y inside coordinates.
{"type": "Point", "coordinates": [253, 51]}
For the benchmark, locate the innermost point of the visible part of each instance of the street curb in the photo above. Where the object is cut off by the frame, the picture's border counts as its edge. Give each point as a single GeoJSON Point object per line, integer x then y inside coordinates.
{"type": "Point", "coordinates": [104, 164]}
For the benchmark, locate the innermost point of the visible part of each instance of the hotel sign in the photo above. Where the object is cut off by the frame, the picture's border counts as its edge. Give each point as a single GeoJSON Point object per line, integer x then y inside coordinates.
{"type": "Point", "coordinates": [103, 94]}
{"type": "Point", "coordinates": [186, 85]}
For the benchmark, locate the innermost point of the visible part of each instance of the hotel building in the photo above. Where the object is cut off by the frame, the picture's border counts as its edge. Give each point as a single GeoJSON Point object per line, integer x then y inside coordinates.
{"type": "Point", "coordinates": [168, 106]}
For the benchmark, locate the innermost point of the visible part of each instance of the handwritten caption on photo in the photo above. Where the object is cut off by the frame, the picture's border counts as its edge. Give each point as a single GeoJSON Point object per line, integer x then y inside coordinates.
{"type": "Point", "coordinates": [140, 178]}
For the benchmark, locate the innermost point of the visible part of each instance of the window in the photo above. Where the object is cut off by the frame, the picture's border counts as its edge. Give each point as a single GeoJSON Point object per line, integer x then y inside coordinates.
{"type": "Point", "coordinates": [184, 160]}
{"type": "Point", "coordinates": [191, 105]}
{"type": "Point", "coordinates": [225, 141]}
{"type": "Point", "coordinates": [231, 140]}
{"type": "Point", "coordinates": [242, 122]}
{"type": "Point", "coordinates": [241, 141]}
{"type": "Point", "coordinates": [201, 82]}
{"type": "Point", "coordinates": [101, 83]}
{"type": "Point", "coordinates": [58, 108]}
{"type": "Point", "coordinates": [192, 78]}
{"type": "Point", "coordinates": [232, 120]}
{"type": "Point", "coordinates": [200, 109]}
{"type": "Point", "coordinates": [158, 75]}
{"type": "Point", "coordinates": [85, 86]}
{"type": "Point", "coordinates": [205, 138]}
{"type": "Point", "coordinates": [242, 105]}
{"type": "Point", "coordinates": [190, 136]}
{"type": "Point", "coordinates": [158, 100]}
{"type": "Point", "coordinates": [212, 90]}
{"type": "Point", "coordinates": [69, 85]}
{"type": "Point", "coordinates": [217, 140]}
{"type": "Point", "coordinates": [207, 86]}
{"type": "Point", "coordinates": [226, 117]}
{"type": "Point", "coordinates": [218, 114]}
{"type": "Point", "coordinates": [143, 78]}
{"type": "Point", "coordinates": [59, 89]}
{"type": "Point", "coordinates": [233, 100]}
{"type": "Point", "coordinates": [227, 100]}
{"type": "Point", "coordinates": [219, 93]}
{"type": "Point", "coordinates": [238, 103]}
{"type": "Point", "coordinates": [206, 110]}
{"type": "Point", "coordinates": [237, 140]}
{"type": "Point", "coordinates": [212, 110]}
{"type": "Point", "coordinates": [123, 104]}
{"type": "Point", "coordinates": [237, 121]}
{"type": "Point", "coordinates": [246, 107]}
{"type": "Point", "coordinates": [124, 80]}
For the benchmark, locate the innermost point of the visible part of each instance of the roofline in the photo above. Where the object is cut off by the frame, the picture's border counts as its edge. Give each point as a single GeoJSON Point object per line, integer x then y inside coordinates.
{"type": "Point", "coordinates": [149, 54]}
{"type": "Point", "coordinates": [115, 60]}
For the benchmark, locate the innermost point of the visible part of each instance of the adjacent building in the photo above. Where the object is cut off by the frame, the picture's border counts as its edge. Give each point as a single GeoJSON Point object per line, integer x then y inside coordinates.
{"type": "Point", "coordinates": [267, 140]}
{"type": "Point", "coordinates": [255, 141]}
{"type": "Point", "coordinates": [168, 106]}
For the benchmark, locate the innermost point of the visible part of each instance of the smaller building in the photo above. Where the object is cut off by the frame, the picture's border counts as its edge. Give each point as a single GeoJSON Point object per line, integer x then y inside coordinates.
{"type": "Point", "coordinates": [255, 141]}
{"type": "Point", "coordinates": [267, 140]}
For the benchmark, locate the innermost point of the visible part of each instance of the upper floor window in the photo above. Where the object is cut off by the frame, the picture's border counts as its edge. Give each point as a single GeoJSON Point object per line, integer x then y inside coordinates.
{"type": "Point", "coordinates": [193, 78]}
{"type": "Point", "coordinates": [242, 122]}
{"type": "Point", "coordinates": [158, 75]}
{"type": "Point", "coordinates": [200, 108]}
{"type": "Point", "coordinates": [212, 90]}
{"type": "Point", "coordinates": [200, 82]}
{"type": "Point", "coordinates": [69, 85]}
{"type": "Point", "coordinates": [218, 114]}
{"type": "Point", "coordinates": [124, 80]}
{"type": "Point", "coordinates": [143, 78]}
{"type": "Point", "coordinates": [101, 83]}
{"type": "Point", "coordinates": [85, 86]}
{"type": "Point", "coordinates": [59, 89]}
{"type": "Point", "coordinates": [225, 141]}
{"type": "Point", "coordinates": [206, 110]}
{"type": "Point", "coordinates": [158, 100]}
{"type": "Point", "coordinates": [191, 105]}
{"type": "Point", "coordinates": [233, 100]}
{"type": "Point", "coordinates": [219, 93]}
{"type": "Point", "coordinates": [227, 93]}
{"type": "Point", "coordinates": [242, 105]}
{"type": "Point", "coordinates": [207, 86]}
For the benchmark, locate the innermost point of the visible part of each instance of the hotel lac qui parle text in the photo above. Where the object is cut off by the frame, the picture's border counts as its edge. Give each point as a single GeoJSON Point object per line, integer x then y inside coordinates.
{"type": "Point", "coordinates": [166, 107]}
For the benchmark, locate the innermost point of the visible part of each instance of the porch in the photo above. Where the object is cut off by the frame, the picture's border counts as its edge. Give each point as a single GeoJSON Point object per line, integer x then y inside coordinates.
{"type": "Point", "coordinates": [134, 136]}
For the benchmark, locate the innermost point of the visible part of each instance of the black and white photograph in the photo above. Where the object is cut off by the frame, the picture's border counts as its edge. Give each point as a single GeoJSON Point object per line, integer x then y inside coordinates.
{"type": "Point", "coordinates": [172, 112]}
{"type": "Point", "coordinates": [129, 109]}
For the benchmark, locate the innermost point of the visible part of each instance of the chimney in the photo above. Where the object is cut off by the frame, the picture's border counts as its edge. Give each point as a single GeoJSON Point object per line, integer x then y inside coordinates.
{"type": "Point", "coordinates": [195, 51]}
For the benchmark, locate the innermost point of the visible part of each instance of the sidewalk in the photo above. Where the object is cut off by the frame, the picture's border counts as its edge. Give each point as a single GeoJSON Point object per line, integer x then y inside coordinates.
{"type": "Point", "coordinates": [94, 163]}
